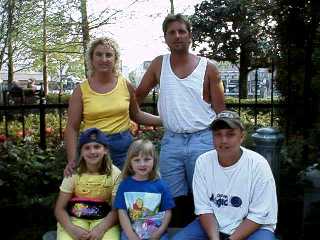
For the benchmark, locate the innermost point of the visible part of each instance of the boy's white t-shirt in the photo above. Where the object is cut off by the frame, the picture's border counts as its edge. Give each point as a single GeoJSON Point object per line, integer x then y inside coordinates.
{"type": "Point", "coordinates": [244, 190]}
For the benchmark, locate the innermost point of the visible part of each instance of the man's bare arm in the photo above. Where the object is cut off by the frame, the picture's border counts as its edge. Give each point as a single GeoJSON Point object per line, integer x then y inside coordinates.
{"type": "Point", "coordinates": [245, 229]}
{"type": "Point", "coordinates": [210, 225]}
{"type": "Point", "coordinates": [216, 88]}
{"type": "Point", "coordinates": [149, 80]}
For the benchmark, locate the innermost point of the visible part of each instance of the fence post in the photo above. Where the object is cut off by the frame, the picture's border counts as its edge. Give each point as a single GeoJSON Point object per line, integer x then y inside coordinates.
{"type": "Point", "coordinates": [42, 144]}
{"type": "Point", "coordinates": [268, 142]}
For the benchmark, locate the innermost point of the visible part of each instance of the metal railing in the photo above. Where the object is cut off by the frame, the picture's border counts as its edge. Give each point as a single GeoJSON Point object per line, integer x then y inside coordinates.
{"type": "Point", "coordinates": [19, 104]}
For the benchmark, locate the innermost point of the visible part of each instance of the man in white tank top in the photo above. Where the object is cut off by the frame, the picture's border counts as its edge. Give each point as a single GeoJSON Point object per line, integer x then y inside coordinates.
{"type": "Point", "coordinates": [191, 93]}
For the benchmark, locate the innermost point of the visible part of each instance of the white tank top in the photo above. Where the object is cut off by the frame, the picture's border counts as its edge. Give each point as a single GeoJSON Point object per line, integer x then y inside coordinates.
{"type": "Point", "coordinates": [180, 104]}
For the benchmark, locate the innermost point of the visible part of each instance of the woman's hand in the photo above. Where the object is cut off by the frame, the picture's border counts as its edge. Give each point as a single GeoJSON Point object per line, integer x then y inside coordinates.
{"type": "Point", "coordinates": [69, 169]}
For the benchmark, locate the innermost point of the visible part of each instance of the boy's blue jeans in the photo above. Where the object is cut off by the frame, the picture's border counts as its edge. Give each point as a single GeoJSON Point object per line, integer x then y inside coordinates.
{"type": "Point", "coordinates": [194, 231]}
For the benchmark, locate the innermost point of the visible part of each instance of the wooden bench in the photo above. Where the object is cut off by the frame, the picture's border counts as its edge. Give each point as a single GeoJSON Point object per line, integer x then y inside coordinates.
{"type": "Point", "coordinates": [52, 235]}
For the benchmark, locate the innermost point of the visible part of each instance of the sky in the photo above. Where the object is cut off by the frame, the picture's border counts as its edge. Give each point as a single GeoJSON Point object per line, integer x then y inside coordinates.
{"type": "Point", "coordinates": [138, 30]}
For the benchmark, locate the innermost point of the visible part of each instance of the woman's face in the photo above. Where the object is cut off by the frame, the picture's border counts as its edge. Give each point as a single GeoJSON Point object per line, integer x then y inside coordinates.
{"type": "Point", "coordinates": [103, 58]}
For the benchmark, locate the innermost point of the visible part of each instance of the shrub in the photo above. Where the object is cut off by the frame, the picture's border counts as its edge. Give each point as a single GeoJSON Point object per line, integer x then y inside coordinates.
{"type": "Point", "coordinates": [29, 175]}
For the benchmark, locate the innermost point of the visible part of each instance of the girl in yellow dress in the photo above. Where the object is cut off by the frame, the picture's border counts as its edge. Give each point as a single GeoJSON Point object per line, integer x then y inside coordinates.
{"type": "Point", "coordinates": [84, 206]}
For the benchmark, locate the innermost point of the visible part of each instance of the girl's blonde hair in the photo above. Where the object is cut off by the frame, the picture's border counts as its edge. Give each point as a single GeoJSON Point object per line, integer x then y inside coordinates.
{"type": "Point", "coordinates": [105, 167]}
{"type": "Point", "coordinates": [105, 41]}
{"type": "Point", "coordinates": [143, 147]}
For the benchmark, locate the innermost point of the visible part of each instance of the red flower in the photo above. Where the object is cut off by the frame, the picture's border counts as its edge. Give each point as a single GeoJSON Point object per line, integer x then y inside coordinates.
{"type": "Point", "coordinates": [19, 134]}
{"type": "Point", "coordinates": [49, 130]}
{"type": "Point", "coordinates": [3, 138]}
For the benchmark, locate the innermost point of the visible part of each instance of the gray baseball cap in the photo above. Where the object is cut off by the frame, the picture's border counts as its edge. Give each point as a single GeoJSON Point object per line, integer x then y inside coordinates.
{"type": "Point", "coordinates": [229, 118]}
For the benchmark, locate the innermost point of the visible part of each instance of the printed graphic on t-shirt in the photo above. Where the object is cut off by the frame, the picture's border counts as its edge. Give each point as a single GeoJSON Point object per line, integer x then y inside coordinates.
{"type": "Point", "coordinates": [143, 209]}
{"type": "Point", "coordinates": [224, 200]}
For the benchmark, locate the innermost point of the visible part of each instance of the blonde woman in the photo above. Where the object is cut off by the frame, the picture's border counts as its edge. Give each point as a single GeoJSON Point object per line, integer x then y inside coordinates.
{"type": "Point", "coordinates": [106, 100]}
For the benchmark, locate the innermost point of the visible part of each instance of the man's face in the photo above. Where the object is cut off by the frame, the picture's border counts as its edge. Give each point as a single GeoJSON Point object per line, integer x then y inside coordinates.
{"type": "Point", "coordinates": [177, 36]}
{"type": "Point", "coordinates": [227, 141]}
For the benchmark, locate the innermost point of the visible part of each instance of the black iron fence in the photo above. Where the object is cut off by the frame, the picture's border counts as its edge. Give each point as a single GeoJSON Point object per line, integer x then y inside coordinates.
{"type": "Point", "coordinates": [16, 106]}
{"type": "Point", "coordinates": [13, 114]}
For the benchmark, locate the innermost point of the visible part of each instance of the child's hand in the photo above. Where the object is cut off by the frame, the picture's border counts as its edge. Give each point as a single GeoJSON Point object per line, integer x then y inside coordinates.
{"type": "Point", "coordinates": [96, 233]}
{"type": "Point", "coordinates": [133, 236]}
{"type": "Point", "coordinates": [156, 235]}
{"type": "Point", "coordinates": [79, 233]}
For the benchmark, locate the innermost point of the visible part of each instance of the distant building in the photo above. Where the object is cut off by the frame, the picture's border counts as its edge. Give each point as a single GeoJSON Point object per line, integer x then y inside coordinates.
{"type": "Point", "coordinates": [125, 71]}
{"type": "Point", "coordinates": [230, 77]}
{"type": "Point", "coordinates": [22, 78]}
{"type": "Point", "coordinates": [139, 71]}
{"type": "Point", "coordinates": [65, 84]}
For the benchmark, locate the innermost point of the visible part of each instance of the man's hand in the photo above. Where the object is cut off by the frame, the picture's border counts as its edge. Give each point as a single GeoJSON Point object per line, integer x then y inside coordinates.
{"type": "Point", "coordinates": [69, 169]}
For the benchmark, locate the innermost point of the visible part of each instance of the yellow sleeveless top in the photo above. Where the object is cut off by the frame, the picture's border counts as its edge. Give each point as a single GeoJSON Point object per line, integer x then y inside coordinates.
{"type": "Point", "coordinates": [107, 111]}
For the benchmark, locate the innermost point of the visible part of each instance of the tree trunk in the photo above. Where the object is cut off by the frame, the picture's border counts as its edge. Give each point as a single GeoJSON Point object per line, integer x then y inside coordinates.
{"type": "Point", "coordinates": [243, 73]}
{"type": "Point", "coordinates": [171, 7]}
{"type": "Point", "coordinates": [44, 48]}
{"type": "Point", "coordinates": [85, 32]}
{"type": "Point", "coordinates": [4, 39]}
{"type": "Point", "coordinates": [9, 40]}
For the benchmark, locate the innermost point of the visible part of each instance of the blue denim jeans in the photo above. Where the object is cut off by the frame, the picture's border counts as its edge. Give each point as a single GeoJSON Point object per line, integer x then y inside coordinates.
{"type": "Point", "coordinates": [178, 155]}
{"type": "Point", "coordinates": [124, 236]}
{"type": "Point", "coordinates": [118, 147]}
{"type": "Point", "coordinates": [194, 231]}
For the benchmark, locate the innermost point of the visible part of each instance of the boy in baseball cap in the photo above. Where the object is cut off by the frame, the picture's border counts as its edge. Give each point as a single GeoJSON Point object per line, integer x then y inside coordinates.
{"type": "Point", "coordinates": [227, 119]}
{"type": "Point", "coordinates": [234, 189]}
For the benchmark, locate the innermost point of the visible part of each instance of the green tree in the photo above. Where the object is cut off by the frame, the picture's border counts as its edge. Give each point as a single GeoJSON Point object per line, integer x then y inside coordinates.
{"type": "Point", "coordinates": [238, 31]}
{"type": "Point", "coordinates": [10, 32]}
{"type": "Point", "coordinates": [55, 33]}
{"type": "Point", "coordinates": [53, 42]}
{"type": "Point", "coordinates": [298, 33]}
{"type": "Point", "coordinates": [3, 30]}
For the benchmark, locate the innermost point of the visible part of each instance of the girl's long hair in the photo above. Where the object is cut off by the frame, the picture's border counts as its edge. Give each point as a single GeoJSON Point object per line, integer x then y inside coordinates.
{"type": "Point", "coordinates": [143, 147]}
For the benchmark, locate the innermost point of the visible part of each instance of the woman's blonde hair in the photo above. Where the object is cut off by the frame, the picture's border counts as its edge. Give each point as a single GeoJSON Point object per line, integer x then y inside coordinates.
{"type": "Point", "coordinates": [143, 147]}
{"type": "Point", "coordinates": [105, 41]}
{"type": "Point", "coordinates": [105, 167]}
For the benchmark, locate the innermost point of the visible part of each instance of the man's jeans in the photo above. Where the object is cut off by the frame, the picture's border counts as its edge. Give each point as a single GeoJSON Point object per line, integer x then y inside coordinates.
{"type": "Point", "coordinates": [178, 155]}
{"type": "Point", "coordinates": [194, 231]}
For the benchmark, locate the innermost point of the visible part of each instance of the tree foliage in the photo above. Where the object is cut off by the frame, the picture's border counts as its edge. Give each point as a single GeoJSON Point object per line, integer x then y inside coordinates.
{"type": "Point", "coordinates": [298, 32]}
{"type": "Point", "coordinates": [65, 40]}
{"type": "Point", "coordinates": [238, 31]}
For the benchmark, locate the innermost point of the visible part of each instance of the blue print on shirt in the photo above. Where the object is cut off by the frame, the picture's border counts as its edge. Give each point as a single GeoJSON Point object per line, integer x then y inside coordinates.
{"type": "Point", "coordinates": [225, 200]}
